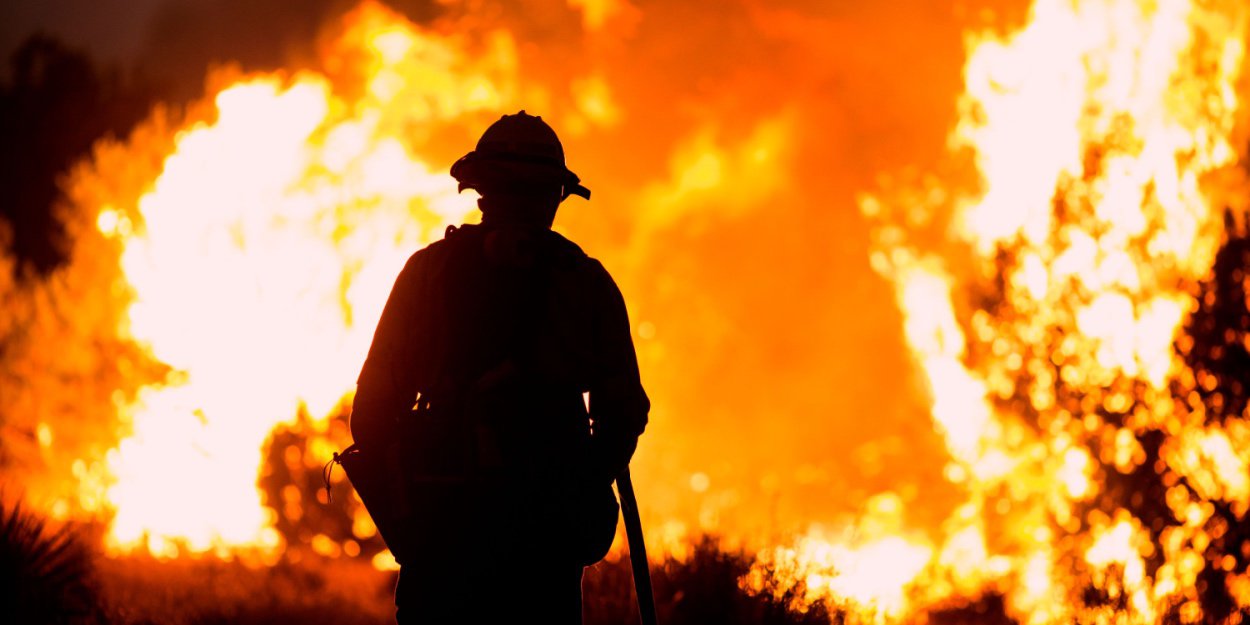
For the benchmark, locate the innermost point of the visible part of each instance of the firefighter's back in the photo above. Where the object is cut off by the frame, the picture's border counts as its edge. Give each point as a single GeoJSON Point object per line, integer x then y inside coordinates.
{"type": "Point", "coordinates": [511, 337]}
{"type": "Point", "coordinates": [482, 358]}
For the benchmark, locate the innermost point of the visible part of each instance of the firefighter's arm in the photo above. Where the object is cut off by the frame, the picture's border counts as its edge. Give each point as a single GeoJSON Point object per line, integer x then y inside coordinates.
{"type": "Point", "coordinates": [384, 390]}
{"type": "Point", "coordinates": [618, 404]}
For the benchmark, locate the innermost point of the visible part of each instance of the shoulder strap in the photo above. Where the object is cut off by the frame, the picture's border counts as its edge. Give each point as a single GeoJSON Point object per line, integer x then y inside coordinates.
{"type": "Point", "coordinates": [448, 289]}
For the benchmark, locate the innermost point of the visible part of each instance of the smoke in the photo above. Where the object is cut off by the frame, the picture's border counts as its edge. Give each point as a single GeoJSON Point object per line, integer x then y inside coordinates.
{"type": "Point", "coordinates": [109, 34]}
{"type": "Point", "coordinates": [184, 38]}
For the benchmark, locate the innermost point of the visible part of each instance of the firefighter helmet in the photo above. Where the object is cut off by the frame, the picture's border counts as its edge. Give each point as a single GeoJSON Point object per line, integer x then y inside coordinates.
{"type": "Point", "coordinates": [517, 150]}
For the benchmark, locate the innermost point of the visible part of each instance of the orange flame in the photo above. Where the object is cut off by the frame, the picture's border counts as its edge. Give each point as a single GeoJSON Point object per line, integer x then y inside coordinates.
{"type": "Point", "coordinates": [1040, 296]}
{"type": "Point", "coordinates": [259, 260]}
{"type": "Point", "coordinates": [1088, 225]}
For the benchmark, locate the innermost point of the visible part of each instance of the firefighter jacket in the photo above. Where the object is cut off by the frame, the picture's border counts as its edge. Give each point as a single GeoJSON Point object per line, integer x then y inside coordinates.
{"type": "Point", "coordinates": [519, 344]}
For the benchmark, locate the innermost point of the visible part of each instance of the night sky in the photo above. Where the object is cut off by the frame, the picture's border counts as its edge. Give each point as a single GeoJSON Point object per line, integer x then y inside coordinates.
{"type": "Point", "coordinates": [111, 30]}
{"type": "Point", "coordinates": [172, 42]}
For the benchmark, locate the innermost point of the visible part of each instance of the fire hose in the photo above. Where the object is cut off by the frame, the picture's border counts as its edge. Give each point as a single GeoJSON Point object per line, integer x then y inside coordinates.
{"type": "Point", "coordinates": [637, 549]}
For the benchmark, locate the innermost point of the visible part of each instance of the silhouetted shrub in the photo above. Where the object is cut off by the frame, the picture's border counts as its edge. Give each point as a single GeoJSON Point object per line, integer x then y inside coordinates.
{"type": "Point", "coordinates": [700, 588]}
{"type": "Point", "coordinates": [46, 576]}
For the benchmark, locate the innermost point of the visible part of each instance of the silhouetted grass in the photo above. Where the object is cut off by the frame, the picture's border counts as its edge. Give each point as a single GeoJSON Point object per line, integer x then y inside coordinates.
{"type": "Point", "coordinates": [702, 588]}
{"type": "Point", "coordinates": [46, 575]}
{"type": "Point", "coordinates": [53, 577]}
{"type": "Point", "coordinates": [138, 590]}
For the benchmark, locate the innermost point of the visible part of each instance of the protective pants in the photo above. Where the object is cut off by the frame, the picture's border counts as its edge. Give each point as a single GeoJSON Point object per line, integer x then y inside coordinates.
{"type": "Point", "coordinates": [507, 558]}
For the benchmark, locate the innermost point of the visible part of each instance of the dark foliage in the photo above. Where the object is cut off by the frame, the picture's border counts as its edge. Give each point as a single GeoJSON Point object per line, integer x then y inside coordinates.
{"type": "Point", "coordinates": [1218, 335]}
{"type": "Point", "coordinates": [988, 610]}
{"type": "Point", "coordinates": [704, 588]}
{"type": "Point", "coordinates": [45, 576]}
{"type": "Point", "coordinates": [1220, 325]}
{"type": "Point", "coordinates": [56, 106]}
{"type": "Point", "coordinates": [1213, 345]}
{"type": "Point", "coordinates": [139, 590]}
{"type": "Point", "coordinates": [294, 486]}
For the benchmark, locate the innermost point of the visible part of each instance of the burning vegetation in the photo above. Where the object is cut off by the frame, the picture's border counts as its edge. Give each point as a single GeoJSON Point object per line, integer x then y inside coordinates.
{"type": "Point", "coordinates": [1062, 309]}
{"type": "Point", "coordinates": [1012, 386]}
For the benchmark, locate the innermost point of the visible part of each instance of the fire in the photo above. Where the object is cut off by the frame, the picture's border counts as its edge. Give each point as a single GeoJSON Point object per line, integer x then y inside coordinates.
{"type": "Point", "coordinates": [1042, 291]}
{"type": "Point", "coordinates": [867, 566]}
{"type": "Point", "coordinates": [1048, 305]}
{"type": "Point", "coordinates": [258, 260]}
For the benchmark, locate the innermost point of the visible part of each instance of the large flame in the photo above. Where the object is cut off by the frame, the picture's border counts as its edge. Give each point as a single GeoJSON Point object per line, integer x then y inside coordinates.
{"type": "Point", "coordinates": [259, 259]}
{"type": "Point", "coordinates": [1042, 304]}
{"type": "Point", "coordinates": [1040, 285]}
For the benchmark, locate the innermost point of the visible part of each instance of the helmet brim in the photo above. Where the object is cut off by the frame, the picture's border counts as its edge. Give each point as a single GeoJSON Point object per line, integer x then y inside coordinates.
{"type": "Point", "coordinates": [476, 170]}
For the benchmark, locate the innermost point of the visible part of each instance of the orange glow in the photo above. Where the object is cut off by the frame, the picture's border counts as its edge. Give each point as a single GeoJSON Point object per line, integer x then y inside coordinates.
{"type": "Point", "coordinates": [1023, 309]}
{"type": "Point", "coordinates": [1089, 208]}
{"type": "Point", "coordinates": [871, 566]}
{"type": "Point", "coordinates": [249, 284]}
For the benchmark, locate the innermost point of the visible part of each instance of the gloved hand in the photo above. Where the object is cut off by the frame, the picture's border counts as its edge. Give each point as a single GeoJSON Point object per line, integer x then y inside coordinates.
{"type": "Point", "coordinates": [610, 454]}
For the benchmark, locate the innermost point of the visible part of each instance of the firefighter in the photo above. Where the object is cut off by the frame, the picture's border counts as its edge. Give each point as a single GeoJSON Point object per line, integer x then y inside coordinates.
{"type": "Point", "coordinates": [503, 367]}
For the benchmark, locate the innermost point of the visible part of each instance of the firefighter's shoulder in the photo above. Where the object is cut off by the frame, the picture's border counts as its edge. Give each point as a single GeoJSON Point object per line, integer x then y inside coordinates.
{"type": "Point", "coordinates": [589, 277]}
{"type": "Point", "coordinates": [560, 249]}
{"type": "Point", "coordinates": [572, 257]}
{"type": "Point", "coordinates": [434, 254]}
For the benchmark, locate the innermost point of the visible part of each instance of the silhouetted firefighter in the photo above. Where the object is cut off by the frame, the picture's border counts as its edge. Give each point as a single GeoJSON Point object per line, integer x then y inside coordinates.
{"type": "Point", "coordinates": [485, 468]}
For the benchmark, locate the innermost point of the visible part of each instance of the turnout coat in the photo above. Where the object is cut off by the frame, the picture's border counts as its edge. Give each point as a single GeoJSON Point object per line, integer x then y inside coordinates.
{"type": "Point", "coordinates": [504, 374]}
